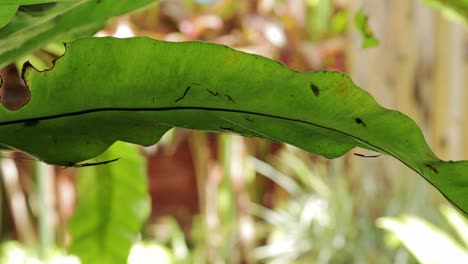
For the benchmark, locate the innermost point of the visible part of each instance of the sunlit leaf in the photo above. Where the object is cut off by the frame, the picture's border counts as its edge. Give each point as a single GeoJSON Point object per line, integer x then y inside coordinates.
{"type": "Point", "coordinates": [106, 89]}
{"type": "Point", "coordinates": [112, 206]}
{"type": "Point", "coordinates": [458, 222]}
{"type": "Point", "coordinates": [425, 241]}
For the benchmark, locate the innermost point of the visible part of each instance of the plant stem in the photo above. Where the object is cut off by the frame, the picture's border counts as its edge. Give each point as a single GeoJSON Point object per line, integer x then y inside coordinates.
{"type": "Point", "coordinates": [45, 182]}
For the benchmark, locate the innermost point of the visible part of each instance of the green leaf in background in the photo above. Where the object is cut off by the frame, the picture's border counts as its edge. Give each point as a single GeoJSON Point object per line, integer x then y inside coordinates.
{"type": "Point", "coordinates": [113, 204]}
{"type": "Point", "coordinates": [106, 89]}
{"type": "Point", "coordinates": [66, 19]}
{"type": "Point", "coordinates": [453, 9]}
{"type": "Point", "coordinates": [426, 242]}
{"type": "Point", "coordinates": [368, 38]}
{"type": "Point", "coordinates": [6, 14]}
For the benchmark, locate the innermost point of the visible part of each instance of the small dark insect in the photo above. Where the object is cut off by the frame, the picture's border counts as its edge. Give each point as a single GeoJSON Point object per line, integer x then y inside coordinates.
{"type": "Point", "coordinates": [248, 119]}
{"type": "Point", "coordinates": [183, 96]}
{"type": "Point", "coordinates": [227, 128]}
{"type": "Point", "coordinates": [315, 89]}
{"type": "Point", "coordinates": [230, 98]}
{"type": "Point", "coordinates": [366, 156]}
{"type": "Point", "coordinates": [360, 122]}
{"type": "Point", "coordinates": [70, 164]}
{"type": "Point", "coordinates": [81, 165]}
{"type": "Point", "coordinates": [432, 168]}
{"type": "Point", "coordinates": [213, 93]}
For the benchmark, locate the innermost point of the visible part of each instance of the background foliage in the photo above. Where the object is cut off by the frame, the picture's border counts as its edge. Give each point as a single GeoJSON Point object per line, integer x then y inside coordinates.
{"type": "Point", "coordinates": [214, 199]}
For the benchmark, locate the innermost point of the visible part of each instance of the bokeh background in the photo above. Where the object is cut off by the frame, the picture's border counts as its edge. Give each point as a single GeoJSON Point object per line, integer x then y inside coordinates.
{"type": "Point", "coordinates": [227, 199]}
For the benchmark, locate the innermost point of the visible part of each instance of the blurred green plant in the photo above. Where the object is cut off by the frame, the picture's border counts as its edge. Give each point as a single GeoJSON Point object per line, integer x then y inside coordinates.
{"type": "Point", "coordinates": [113, 204]}
{"type": "Point", "coordinates": [428, 243]}
{"type": "Point", "coordinates": [362, 24]}
{"type": "Point", "coordinates": [314, 223]}
{"type": "Point", "coordinates": [453, 9]}
{"type": "Point", "coordinates": [144, 252]}
{"type": "Point", "coordinates": [12, 252]}
{"type": "Point", "coordinates": [31, 28]}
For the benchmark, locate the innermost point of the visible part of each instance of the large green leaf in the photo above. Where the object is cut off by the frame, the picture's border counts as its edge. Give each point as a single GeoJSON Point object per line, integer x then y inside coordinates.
{"type": "Point", "coordinates": [65, 19]}
{"type": "Point", "coordinates": [107, 89]}
{"type": "Point", "coordinates": [6, 13]}
{"type": "Point", "coordinates": [113, 204]}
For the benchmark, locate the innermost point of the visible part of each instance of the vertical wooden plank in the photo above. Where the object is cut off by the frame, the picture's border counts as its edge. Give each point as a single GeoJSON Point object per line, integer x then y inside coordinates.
{"type": "Point", "coordinates": [402, 74]}
{"type": "Point", "coordinates": [441, 82]}
{"type": "Point", "coordinates": [457, 92]}
{"type": "Point", "coordinates": [465, 100]}
{"type": "Point", "coordinates": [423, 28]}
{"type": "Point", "coordinates": [448, 89]}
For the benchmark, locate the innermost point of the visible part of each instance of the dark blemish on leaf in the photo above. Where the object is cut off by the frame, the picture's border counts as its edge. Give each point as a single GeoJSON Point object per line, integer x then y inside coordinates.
{"type": "Point", "coordinates": [248, 119]}
{"type": "Point", "coordinates": [153, 100]}
{"type": "Point", "coordinates": [185, 93]}
{"type": "Point", "coordinates": [14, 92]}
{"type": "Point", "coordinates": [31, 123]}
{"type": "Point", "coordinates": [366, 156]}
{"type": "Point", "coordinates": [230, 98]}
{"type": "Point", "coordinates": [360, 122]}
{"type": "Point", "coordinates": [315, 89]}
{"type": "Point", "coordinates": [432, 168]}
{"type": "Point", "coordinates": [227, 128]}
{"type": "Point", "coordinates": [195, 83]}
{"type": "Point", "coordinates": [213, 93]}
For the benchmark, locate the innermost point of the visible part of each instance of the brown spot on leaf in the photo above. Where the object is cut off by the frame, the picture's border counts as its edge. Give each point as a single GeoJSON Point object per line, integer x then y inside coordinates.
{"type": "Point", "coordinates": [13, 93]}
